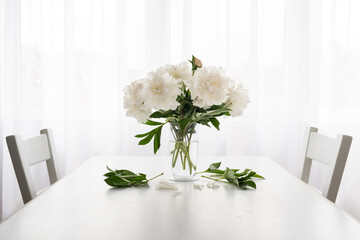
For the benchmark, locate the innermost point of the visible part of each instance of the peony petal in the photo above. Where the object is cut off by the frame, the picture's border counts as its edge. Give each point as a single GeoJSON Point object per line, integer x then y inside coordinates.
{"type": "Point", "coordinates": [198, 186]}
{"type": "Point", "coordinates": [164, 184]}
{"type": "Point", "coordinates": [213, 185]}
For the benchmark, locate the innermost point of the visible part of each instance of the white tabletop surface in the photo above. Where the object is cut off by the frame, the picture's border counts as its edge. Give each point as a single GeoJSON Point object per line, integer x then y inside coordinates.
{"type": "Point", "coordinates": [82, 206]}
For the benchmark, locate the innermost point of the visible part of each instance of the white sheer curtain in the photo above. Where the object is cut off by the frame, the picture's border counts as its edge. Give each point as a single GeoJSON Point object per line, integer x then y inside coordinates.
{"type": "Point", "coordinates": [64, 63]}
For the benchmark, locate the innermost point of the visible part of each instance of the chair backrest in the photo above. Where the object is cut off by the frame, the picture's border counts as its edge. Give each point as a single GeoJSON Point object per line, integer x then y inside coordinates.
{"type": "Point", "coordinates": [25, 153]}
{"type": "Point", "coordinates": [330, 151]}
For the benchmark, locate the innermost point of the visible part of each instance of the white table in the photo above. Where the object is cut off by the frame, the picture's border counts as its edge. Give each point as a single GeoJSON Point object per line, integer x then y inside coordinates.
{"type": "Point", "coordinates": [82, 206]}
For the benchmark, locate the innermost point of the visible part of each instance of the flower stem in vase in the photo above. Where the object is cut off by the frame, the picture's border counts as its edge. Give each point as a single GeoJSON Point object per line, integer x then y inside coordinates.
{"type": "Point", "coordinates": [184, 152]}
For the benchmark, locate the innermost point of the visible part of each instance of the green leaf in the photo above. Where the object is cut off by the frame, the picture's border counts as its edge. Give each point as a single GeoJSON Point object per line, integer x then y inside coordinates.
{"type": "Point", "coordinates": [251, 174]}
{"type": "Point", "coordinates": [214, 107]}
{"type": "Point", "coordinates": [143, 135]}
{"type": "Point", "coordinates": [258, 176]}
{"type": "Point", "coordinates": [147, 139]}
{"type": "Point", "coordinates": [109, 168]}
{"type": "Point", "coordinates": [184, 122]}
{"type": "Point", "coordinates": [243, 172]}
{"type": "Point", "coordinates": [116, 181]}
{"type": "Point", "coordinates": [124, 172]}
{"type": "Point", "coordinates": [152, 123]}
{"type": "Point", "coordinates": [142, 175]}
{"type": "Point", "coordinates": [204, 123]}
{"type": "Point", "coordinates": [161, 114]}
{"type": "Point", "coordinates": [250, 184]}
{"type": "Point", "coordinates": [156, 115]}
{"type": "Point", "coordinates": [157, 140]}
{"type": "Point", "coordinates": [208, 114]}
{"type": "Point", "coordinates": [246, 170]}
{"type": "Point", "coordinates": [230, 176]}
{"type": "Point", "coordinates": [214, 166]}
{"type": "Point", "coordinates": [109, 174]}
{"type": "Point", "coordinates": [215, 123]}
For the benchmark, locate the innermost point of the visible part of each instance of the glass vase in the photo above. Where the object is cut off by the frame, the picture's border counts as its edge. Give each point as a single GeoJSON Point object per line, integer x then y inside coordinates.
{"type": "Point", "coordinates": [184, 152]}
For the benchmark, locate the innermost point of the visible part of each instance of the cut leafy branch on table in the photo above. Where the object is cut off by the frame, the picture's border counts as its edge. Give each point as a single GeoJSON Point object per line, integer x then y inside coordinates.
{"type": "Point", "coordinates": [126, 178]}
{"type": "Point", "coordinates": [242, 179]}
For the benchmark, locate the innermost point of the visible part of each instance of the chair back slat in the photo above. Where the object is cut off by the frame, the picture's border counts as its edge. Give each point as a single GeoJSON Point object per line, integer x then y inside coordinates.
{"type": "Point", "coordinates": [37, 149]}
{"type": "Point", "coordinates": [321, 148]}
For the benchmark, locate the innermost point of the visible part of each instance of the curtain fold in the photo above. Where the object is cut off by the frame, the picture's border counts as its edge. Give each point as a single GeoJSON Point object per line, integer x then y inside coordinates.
{"type": "Point", "coordinates": [64, 64]}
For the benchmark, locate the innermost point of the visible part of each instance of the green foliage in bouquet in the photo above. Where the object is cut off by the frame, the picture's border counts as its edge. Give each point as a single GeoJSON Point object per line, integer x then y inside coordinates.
{"type": "Point", "coordinates": [185, 115]}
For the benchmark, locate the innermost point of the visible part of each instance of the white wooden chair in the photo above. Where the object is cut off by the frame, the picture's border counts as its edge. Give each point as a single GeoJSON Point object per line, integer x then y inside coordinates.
{"type": "Point", "coordinates": [25, 153]}
{"type": "Point", "coordinates": [330, 151]}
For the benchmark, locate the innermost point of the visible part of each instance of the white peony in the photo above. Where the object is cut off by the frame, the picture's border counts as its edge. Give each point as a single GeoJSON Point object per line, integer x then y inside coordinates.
{"type": "Point", "coordinates": [209, 86]}
{"type": "Point", "coordinates": [237, 100]}
{"type": "Point", "coordinates": [134, 101]}
{"type": "Point", "coordinates": [160, 90]}
{"type": "Point", "coordinates": [180, 72]}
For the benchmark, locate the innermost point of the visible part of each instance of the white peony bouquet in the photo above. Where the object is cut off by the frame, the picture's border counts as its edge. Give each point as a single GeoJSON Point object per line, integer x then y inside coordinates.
{"type": "Point", "coordinates": [183, 95]}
